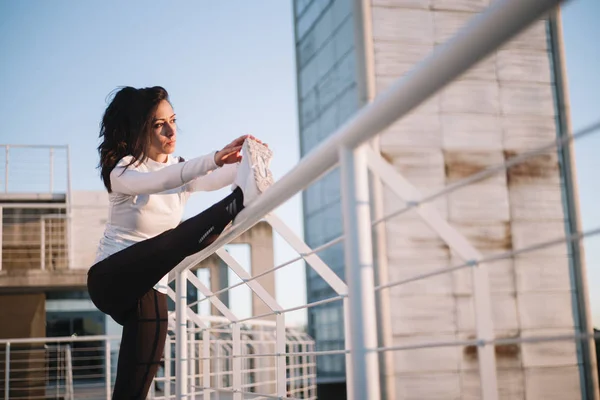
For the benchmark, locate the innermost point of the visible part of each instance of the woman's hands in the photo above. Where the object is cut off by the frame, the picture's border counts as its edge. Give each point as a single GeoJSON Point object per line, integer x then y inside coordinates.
{"type": "Point", "coordinates": [230, 154]}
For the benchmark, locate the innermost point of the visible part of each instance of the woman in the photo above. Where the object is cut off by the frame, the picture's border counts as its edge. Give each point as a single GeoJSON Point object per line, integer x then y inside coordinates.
{"type": "Point", "coordinates": [144, 238]}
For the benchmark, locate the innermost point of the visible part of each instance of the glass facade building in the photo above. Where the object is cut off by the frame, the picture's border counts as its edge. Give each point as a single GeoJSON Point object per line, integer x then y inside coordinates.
{"type": "Point", "coordinates": [327, 97]}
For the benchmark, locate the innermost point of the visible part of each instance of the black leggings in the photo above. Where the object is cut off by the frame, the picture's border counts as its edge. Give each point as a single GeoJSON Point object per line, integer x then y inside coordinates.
{"type": "Point", "coordinates": [122, 286]}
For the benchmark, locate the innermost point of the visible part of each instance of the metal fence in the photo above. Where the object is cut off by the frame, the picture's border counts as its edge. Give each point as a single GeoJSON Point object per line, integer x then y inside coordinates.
{"type": "Point", "coordinates": [348, 149]}
{"type": "Point", "coordinates": [34, 169]}
{"type": "Point", "coordinates": [85, 367]}
{"type": "Point", "coordinates": [49, 236]}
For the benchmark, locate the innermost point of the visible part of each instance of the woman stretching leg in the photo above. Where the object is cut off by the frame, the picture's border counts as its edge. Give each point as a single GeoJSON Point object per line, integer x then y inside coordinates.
{"type": "Point", "coordinates": [143, 239]}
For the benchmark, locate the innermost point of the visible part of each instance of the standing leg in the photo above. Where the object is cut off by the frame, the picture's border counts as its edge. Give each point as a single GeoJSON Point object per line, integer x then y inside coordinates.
{"type": "Point", "coordinates": [117, 282]}
{"type": "Point", "coordinates": [142, 346]}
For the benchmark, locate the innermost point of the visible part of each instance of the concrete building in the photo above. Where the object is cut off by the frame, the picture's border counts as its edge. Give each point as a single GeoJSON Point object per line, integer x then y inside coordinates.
{"type": "Point", "coordinates": [348, 52]}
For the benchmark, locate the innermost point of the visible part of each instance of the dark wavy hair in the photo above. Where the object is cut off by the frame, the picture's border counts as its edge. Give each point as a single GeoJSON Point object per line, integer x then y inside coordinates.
{"type": "Point", "coordinates": [126, 127]}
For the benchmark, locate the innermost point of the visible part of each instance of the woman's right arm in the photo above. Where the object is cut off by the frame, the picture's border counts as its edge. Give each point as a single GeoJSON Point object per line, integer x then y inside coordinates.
{"type": "Point", "coordinates": [132, 182]}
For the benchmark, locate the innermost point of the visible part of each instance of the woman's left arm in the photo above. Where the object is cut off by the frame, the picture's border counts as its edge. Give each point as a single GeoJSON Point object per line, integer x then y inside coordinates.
{"type": "Point", "coordinates": [215, 180]}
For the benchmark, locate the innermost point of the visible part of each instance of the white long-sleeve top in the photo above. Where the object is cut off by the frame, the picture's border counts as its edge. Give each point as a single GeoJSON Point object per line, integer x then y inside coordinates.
{"type": "Point", "coordinates": [148, 198]}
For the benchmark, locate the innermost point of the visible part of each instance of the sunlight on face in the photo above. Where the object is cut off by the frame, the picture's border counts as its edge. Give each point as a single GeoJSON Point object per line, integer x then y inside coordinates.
{"type": "Point", "coordinates": [164, 132]}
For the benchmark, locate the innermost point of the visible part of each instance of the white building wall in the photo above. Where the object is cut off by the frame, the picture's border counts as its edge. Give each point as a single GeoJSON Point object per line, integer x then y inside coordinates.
{"type": "Point", "coordinates": [502, 107]}
{"type": "Point", "coordinates": [89, 213]}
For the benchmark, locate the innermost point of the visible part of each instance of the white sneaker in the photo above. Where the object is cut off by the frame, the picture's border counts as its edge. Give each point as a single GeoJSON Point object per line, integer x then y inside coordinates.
{"type": "Point", "coordinates": [253, 174]}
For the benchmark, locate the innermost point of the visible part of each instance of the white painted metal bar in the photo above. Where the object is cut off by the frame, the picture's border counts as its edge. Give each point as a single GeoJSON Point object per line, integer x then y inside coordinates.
{"type": "Point", "coordinates": [1, 235]}
{"type": "Point", "coordinates": [206, 364]}
{"type": "Point", "coordinates": [69, 200]}
{"type": "Point", "coordinates": [190, 313]}
{"type": "Point", "coordinates": [107, 370]}
{"type": "Point", "coordinates": [191, 358]}
{"type": "Point", "coordinates": [209, 294]}
{"type": "Point", "coordinates": [181, 370]}
{"type": "Point", "coordinates": [457, 242]}
{"type": "Point", "coordinates": [42, 244]}
{"type": "Point", "coordinates": [359, 273]}
{"type": "Point", "coordinates": [348, 348]}
{"type": "Point", "coordinates": [7, 370]}
{"type": "Point", "coordinates": [167, 356]}
{"type": "Point", "coordinates": [51, 169]}
{"type": "Point", "coordinates": [6, 148]}
{"type": "Point", "coordinates": [69, 372]}
{"type": "Point", "coordinates": [313, 260]}
{"type": "Point", "coordinates": [57, 206]}
{"type": "Point", "coordinates": [280, 342]}
{"type": "Point", "coordinates": [256, 287]}
{"type": "Point", "coordinates": [237, 362]}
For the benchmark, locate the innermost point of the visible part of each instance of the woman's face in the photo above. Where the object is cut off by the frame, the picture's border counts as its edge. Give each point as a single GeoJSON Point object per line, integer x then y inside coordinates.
{"type": "Point", "coordinates": [164, 132]}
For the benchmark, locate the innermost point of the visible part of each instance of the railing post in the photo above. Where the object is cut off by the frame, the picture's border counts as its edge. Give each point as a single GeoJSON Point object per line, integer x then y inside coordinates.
{"type": "Point", "coordinates": [42, 243]}
{"type": "Point", "coordinates": [69, 372]}
{"type": "Point", "coordinates": [7, 370]}
{"type": "Point", "coordinates": [364, 381]}
{"type": "Point", "coordinates": [348, 348]}
{"type": "Point", "coordinates": [1, 237]}
{"type": "Point", "coordinates": [51, 169]}
{"type": "Point", "coordinates": [107, 369]}
{"type": "Point", "coordinates": [70, 250]}
{"type": "Point", "coordinates": [236, 361]}
{"type": "Point", "coordinates": [280, 339]}
{"type": "Point", "coordinates": [167, 387]}
{"type": "Point", "coordinates": [192, 359]}
{"type": "Point", "coordinates": [181, 370]}
{"type": "Point", "coordinates": [6, 170]}
{"type": "Point", "coordinates": [206, 363]}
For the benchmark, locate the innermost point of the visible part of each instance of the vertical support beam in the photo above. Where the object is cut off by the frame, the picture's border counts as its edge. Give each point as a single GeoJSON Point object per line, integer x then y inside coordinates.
{"type": "Point", "coordinates": [7, 370]}
{"type": "Point", "coordinates": [69, 373]}
{"type": "Point", "coordinates": [206, 363]}
{"type": "Point", "coordinates": [51, 169]}
{"type": "Point", "coordinates": [191, 357]}
{"type": "Point", "coordinates": [181, 370]}
{"type": "Point", "coordinates": [167, 387]}
{"type": "Point", "coordinates": [348, 348]}
{"type": "Point", "coordinates": [43, 243]}
{"type": "Point", "coordinates": [280, 339]}
{"type": "Point", "coordinates": [1, 236]}
{"type": "Point", "coordinates": [485, 331]}
{"type": "Point", "coordinates": [69, 213]}
{"type": "Point", "coordinates": [6, 170]}
{"type": "Point", "coordinates": [236, 361]}
{"type": "Point", "coordinates": [107, 369]}
{"type": "Point", "coordinates": [359, 273]}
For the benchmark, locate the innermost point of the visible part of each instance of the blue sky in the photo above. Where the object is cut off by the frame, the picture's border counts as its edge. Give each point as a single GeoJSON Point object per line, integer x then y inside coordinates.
{"type": "Point", "coordinates": [230, 70]}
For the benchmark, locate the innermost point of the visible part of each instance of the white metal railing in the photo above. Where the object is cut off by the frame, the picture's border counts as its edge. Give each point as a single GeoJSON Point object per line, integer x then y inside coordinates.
{"type": "Point", "coordinates": [85, 367]}
{"type": "Point", "coordinates": [34, 169]}
{"type": "Point", "coordinates": [33, 174]}
{"type": "Point", "coordinates": [481, 36]}
{"type": "Point", "coordinates": [36, 235]}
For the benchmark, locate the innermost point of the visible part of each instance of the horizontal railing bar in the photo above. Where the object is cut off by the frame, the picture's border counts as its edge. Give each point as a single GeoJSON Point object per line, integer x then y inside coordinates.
{"type": "Point", "coordinates": [34, 146]}
{"type": "Point", "coordinates": [488, 172]}
{"type": "Point", "coordinates": [254, 394]}
{"type": "Point", "coordinates": [257, 355]}
{"type": "Point", "coordinates": [492, 258]}
{"type": "Point", "coordinates": [91, 338]}
{"type": "Point", "coordinates": [499, 341]}
{"type": "Point", "coordinates": [309, 305]}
